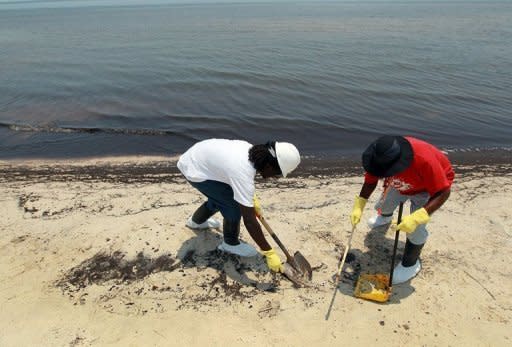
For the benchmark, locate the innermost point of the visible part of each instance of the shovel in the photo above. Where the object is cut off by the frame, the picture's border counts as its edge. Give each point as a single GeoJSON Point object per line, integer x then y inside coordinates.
{"type": "Point", "coordinates": [296, 268]}
{"type": "Point", "coordinates": [378, 287]}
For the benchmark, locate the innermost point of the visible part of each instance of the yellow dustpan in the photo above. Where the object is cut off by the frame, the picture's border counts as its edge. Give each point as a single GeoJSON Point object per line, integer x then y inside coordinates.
{"type": "Point", "coordinates": [373, 287]}
{"type": "Point", "coordinates": [378, 287]}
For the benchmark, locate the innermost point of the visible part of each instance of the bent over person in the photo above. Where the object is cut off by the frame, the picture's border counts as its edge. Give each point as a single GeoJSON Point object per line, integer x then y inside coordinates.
{"type": "Point", "coordinates": [224, 171]}
{"type": "Point", "coordinates": [412, 170]}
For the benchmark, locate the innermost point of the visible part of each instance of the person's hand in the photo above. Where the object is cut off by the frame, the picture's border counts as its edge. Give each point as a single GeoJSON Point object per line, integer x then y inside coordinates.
{"type": "Point", "coordinates": [410, 223]}
{"type": "Point", "coordinates": [257, 206]}
{"type": "Point", "coordinates": [273, 260]}
{"type": "Point", "coordinates": [357, 210]}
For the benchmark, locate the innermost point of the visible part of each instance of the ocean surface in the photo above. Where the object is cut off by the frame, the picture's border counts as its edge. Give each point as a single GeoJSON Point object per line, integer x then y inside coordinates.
{"type": "Point", "coordinates": [93, 78]}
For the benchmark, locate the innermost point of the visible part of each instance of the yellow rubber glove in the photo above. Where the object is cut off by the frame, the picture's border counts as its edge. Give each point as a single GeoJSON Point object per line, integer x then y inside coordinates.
{"type": "Point", "coordinates": [410, 223]}
{"type": "Point", "coordinates": [257, 206]}
{"type": "Point", "coordinates": [273, 260]}
{"type": "Point", "coordinates": [357, 211]}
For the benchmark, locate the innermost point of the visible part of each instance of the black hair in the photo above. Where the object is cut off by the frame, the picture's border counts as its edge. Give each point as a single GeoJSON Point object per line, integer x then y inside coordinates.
{"type": "Point", "coordinates": [260, 156]}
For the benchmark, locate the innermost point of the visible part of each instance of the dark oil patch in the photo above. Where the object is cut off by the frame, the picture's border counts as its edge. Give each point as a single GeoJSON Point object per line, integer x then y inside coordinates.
{"type": "Point", "coordinates": [19, 239]}
{"type": "Point", "coordinates": [104, 267]}
{"type": "Point", "coordinates": [125, 290]}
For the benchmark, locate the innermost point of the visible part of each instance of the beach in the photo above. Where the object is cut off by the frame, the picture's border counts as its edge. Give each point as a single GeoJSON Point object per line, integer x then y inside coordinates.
{"type": "Point", "coordinates": [99, 98]}
{"type": "Point", "coordinates": [96, 252]}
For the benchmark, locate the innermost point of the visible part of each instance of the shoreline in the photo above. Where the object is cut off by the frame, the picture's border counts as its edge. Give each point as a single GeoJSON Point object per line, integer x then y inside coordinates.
{"type": "Point", "coordinates": [162, 169]}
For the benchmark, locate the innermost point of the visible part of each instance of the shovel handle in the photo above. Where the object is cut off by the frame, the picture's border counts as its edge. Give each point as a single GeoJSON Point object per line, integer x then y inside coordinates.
{"type": "Point", "coordinates": [338, 274]}
{"type": "Point", "coordinates": [344, 258]}
{"type": "Point", "coordinates": [397, 236]}
{"type": "Point", "coordinates": [276, 239]}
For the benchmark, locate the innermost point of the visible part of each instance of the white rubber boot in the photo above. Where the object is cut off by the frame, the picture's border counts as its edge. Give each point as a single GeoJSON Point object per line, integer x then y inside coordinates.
{"type": "Point", "coordinates": [211, 223]}
{"type": "Point", "coordinates": [403, 274]}
{"type": "Point", "coordinates": [378, 220]}
{"type": "Point", "coordinates": [243, 249]}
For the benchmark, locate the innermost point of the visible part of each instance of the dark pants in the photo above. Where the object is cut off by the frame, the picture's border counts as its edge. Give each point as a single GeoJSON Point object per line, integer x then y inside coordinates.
{"type": "Point", "coordinates": [220, 198]}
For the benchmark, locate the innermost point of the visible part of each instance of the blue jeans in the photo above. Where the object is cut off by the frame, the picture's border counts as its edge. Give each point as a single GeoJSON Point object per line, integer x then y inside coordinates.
{"type": "Point", "coordinates": [220, 198]}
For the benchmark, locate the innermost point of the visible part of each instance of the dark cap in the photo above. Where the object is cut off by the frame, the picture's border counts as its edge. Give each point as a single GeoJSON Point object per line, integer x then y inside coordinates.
{"type": "Point", "coordinates": [387, 156]}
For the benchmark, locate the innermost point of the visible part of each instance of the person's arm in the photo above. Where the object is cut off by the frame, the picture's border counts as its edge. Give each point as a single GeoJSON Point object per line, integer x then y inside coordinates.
{"type": "Point", "coordinates": [254, 228]}
{"type": "Point", "coordinates": [437, 200]}
{"type": "Point", "coordinates": [367, 190]}
{"type": "Point", "coordinates": [360, 202]}
{"type": "Point", "coordinates": [438, 184]}
{"type": "Point", "coordinates": [422, 215]}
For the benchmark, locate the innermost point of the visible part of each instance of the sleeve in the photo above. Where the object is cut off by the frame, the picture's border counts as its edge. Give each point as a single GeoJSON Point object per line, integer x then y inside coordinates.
{"type": "Point", "coordinates": [370, 179]}
{"type": "Point", "coordinates": [434, 177]}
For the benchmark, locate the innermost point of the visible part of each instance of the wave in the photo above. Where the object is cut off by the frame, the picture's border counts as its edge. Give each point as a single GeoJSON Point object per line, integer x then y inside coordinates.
{"type": "Point", "coordinates": [51, 128]}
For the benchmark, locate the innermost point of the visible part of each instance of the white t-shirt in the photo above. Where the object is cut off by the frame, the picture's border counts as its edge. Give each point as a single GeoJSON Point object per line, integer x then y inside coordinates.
{"type": "Point", "coordinates": [224, 161]}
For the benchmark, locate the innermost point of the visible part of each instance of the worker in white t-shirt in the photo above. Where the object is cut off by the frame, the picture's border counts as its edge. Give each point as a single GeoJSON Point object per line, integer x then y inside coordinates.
{"type": "Point", "coordinates": [224, 171]}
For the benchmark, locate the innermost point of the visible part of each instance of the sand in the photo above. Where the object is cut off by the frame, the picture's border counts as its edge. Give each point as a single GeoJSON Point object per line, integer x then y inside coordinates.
{"type": "Point", "coordinates": [96, 252]}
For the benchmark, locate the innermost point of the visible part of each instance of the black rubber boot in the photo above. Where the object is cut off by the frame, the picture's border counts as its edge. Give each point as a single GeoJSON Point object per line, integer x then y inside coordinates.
{"type": "Point", "coordinates": [411, 253]}
{"type": "Point", "coordinates": [231, 232]}
{"type": "Point", "coordinates": [202, 214]}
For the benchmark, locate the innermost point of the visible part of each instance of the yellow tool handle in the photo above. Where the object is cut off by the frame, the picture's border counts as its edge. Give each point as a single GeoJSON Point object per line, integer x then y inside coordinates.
{"type": "Point", "coordinates": [340, 268]}
{"type": "Point", "coordinates": [276, 239]}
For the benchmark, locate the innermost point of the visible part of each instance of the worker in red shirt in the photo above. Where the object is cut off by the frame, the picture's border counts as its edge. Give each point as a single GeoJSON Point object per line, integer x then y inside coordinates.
{"type": "Point", "coordinates": [412, 170]}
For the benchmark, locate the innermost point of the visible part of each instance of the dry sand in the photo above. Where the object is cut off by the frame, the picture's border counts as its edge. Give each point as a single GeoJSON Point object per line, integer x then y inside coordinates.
{"type": "Point", "coordinates": [97, 253]}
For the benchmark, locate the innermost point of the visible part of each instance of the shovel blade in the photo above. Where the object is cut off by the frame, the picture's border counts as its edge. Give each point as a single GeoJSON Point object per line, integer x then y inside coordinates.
{"type": "Point", "coordinates": [303, 266]}
{"type": "Point", "coordinates": [293, 275]}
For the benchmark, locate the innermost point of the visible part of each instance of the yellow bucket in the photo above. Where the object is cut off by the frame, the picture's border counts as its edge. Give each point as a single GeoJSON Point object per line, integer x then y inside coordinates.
{"type": "Point", "coordinates": [373, 287]}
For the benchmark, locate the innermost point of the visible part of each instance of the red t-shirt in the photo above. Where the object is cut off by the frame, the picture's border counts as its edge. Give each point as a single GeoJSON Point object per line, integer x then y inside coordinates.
{"type": "Point", "coordinates": [430, 171]}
